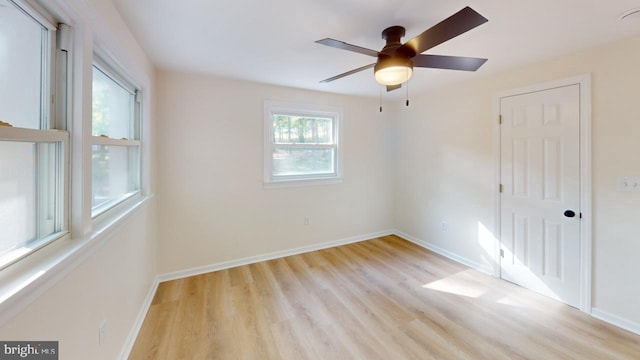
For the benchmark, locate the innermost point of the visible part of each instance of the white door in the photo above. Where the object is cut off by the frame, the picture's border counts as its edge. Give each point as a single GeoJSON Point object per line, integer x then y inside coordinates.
{"type": "Point", "coordinates": [540, 199]}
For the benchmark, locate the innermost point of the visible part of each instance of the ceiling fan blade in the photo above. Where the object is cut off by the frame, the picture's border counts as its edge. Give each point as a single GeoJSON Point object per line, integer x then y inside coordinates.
{"type": "Point", "coordinates": [348, 73]}
{"type": "Point", "coordinates": [458, 23]}
{"type": "Point", "coordinates": [448, 62]}
{"type": "Point", "coordinates": [344, 46]}
{"type": "Point", "coordinates": [393, 87]}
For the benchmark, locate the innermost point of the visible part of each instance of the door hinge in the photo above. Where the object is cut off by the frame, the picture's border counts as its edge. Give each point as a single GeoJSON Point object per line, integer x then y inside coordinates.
{"type": "Point", "coordinates": [500, 119]}
{"type": "Point", "coordinates": [500, 188]}
{"type": "Point", "coordinates": [501, 253]}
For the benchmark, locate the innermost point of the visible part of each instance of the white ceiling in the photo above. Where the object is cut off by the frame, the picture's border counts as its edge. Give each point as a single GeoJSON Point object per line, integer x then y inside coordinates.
{"type": "Point", "coordinates": [273, 41]}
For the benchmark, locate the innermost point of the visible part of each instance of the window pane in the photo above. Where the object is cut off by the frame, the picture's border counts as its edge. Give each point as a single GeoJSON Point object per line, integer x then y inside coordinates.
{"type": "Point", "coordinates": [289, 129]}
{"type": "Point", "coordinates": [112, 108]}
{"type": "Point", "coordinates": [17, 194]}
{"type": "Point", "coordinates": [115, 173]}
{"type": "Point", "coordinates": [302, 161]}
{"type": "Point", "coordinates": [28, 193]}
{"type": "Point", "coordinates": [21, 44]}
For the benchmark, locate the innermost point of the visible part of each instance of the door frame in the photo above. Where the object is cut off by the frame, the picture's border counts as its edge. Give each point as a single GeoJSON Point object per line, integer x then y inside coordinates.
{"type": "Point", "coordinates": [584, 83]}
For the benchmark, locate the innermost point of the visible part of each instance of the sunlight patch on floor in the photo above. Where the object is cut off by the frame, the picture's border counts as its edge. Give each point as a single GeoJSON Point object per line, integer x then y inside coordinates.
{"type": "Point", "coordinates": [510, 301]}
{"type": "Point", "coordinates": [457, 284]}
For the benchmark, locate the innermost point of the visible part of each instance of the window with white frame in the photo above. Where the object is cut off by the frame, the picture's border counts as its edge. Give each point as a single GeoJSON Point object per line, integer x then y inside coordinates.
{"type": "Point", "coordinates": [34, 149]}
{"type": "Point", "coordinates": [115, 139]}
{"type": "Point", "coordinates": [301, 143]}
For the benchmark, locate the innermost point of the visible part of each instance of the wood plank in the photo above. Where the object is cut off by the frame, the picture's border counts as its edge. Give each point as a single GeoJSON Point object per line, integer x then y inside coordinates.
{"type": "Point", "coordinates": [153, 341]}
{"type": "Point", "coordinates": [379, 299]}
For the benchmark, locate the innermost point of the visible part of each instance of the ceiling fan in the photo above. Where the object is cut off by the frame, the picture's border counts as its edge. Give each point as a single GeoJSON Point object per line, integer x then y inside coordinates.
{"type": "Point", "coordinates": [396, 60]}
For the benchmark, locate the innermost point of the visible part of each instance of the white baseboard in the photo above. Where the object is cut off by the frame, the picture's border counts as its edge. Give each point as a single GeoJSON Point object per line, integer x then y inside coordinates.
{"type": "Point", "coordinates": [137, 325]}
{"type": "Point", "coordinates": [269, 256]}
{"type": "Point", "coordinates": [438, 250]}
{"type": "Point", "coordinates": [616, 320]}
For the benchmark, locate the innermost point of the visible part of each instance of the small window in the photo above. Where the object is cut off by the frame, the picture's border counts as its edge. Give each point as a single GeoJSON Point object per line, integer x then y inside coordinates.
{"type": "Point", "coordinates": [33, 144]}
{"type": "Point", "coordinates": [301, 144]}
{"type": "Point", "coordinates": [116, 140]}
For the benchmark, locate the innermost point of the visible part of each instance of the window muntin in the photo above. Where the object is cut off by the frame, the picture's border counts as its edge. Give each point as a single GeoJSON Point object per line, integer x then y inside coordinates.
{"type": "Point", "coordinates": [115, 170]}
{"type": "Point", "coordinates": [301, 143]}
{"type": "Point", "coordinates": [33, 158]}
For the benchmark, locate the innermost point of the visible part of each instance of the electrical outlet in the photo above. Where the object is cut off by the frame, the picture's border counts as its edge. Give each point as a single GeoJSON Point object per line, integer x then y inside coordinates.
{"type": "Point", "coordinates": [444, 225]}
{"type": "Point", "coordinates": [307, 220]}
{"type": "Point", "coordinates": [629, 184]}
{"type": "Point", "coordinates": [102, 332]}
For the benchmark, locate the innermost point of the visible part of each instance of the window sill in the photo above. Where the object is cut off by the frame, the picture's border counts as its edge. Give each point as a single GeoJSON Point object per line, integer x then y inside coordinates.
{"type": "Point", "coordinates": [301, 182]}
{"type": "Point", "coordinates": [23, 282]}
{"type": "Point", "coordinates": [104, 213]}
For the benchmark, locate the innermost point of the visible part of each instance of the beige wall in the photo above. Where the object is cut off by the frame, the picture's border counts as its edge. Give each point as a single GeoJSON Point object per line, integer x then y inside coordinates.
{"type": "Point", "coordinates": [445, 168]}
{"type": "Point", "coordinates": [212, 204]}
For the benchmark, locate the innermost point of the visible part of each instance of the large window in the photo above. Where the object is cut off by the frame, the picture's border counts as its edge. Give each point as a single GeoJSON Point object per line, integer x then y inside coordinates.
{"type": "Point", "coordinates": [116, 139]}
{"type": "Point", "coordinates": [301, 143]}
{"type": "Point", "coordinates": [33, 143]}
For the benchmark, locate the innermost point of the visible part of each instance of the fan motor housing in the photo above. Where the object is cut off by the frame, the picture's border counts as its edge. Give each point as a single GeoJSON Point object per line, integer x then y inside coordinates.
{"type": "Point", "coordinates": [389, 56]}
{"type": "Point", "coordinates": [392, 35]}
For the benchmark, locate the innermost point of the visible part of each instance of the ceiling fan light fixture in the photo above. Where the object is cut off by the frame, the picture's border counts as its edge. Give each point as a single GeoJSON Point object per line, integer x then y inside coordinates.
{"type": "Point", "coordinates": [393, 70]}
{"type": "Point", "coordinates": [396, 60]}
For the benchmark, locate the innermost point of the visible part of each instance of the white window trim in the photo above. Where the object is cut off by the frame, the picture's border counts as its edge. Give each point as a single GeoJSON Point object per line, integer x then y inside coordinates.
{"type": "Point", "coordinates": [273, 106]}
{"type": "Point", "coordinates": [33, 135]}
{"type": "Point", "coordinates": [34, 10]}
{"type": "Point", "coordinates": [113, 71]}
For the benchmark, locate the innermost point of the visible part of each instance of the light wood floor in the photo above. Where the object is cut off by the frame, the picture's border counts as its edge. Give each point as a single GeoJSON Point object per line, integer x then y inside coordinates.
{"type": "Point", "coordinates": [381, 299]}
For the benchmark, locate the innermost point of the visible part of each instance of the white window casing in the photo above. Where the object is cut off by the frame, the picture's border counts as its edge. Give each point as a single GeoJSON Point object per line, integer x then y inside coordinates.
{"type": "Point", "coordinates": [302, 144]}
{"type": "Point", "coordinates": [116, 144]}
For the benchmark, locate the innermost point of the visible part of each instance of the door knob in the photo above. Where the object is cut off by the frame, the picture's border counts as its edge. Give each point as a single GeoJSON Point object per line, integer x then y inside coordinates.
{"type": "Point", "coordinates": [569, 213]}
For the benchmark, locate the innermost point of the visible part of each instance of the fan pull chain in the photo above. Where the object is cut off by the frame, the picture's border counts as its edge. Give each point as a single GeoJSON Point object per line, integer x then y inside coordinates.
{"type": "Point", "coordinates": [380, 98]}
{"type": "Point", "coordinates": [407, 85]}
